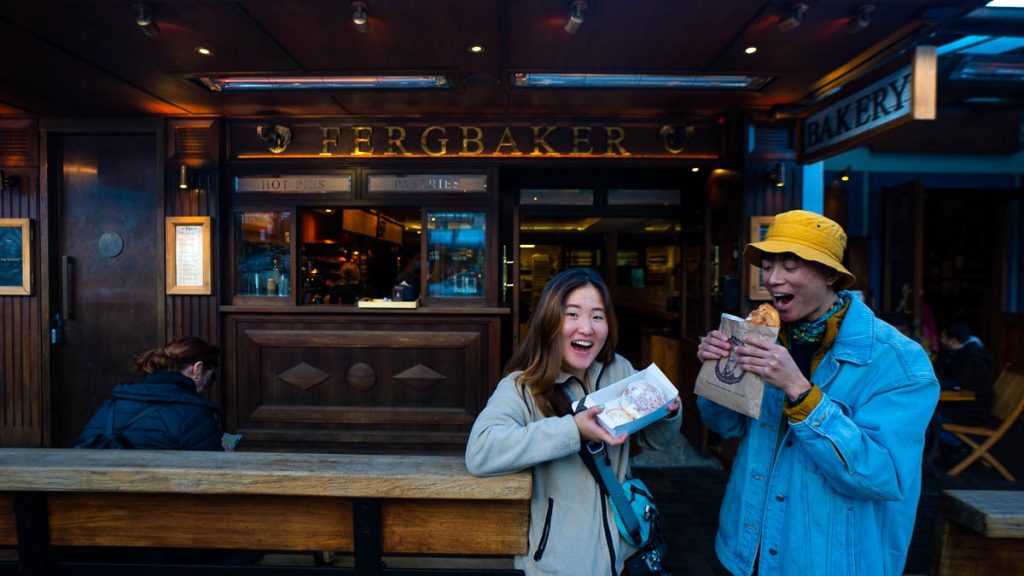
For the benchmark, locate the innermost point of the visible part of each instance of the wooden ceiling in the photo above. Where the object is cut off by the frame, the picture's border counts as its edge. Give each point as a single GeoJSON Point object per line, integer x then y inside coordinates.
{"type": "Point", "coordinates": [80, 58]}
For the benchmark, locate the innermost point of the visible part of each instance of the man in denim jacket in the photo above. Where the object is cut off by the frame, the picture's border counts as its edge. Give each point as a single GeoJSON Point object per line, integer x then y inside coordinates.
{"type": "Point", "coordinates": [827, 481]}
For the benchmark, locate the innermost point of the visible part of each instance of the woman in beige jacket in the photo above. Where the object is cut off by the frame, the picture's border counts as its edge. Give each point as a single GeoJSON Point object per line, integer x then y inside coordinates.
{"type": "Point", "coordinates": [568, 352]}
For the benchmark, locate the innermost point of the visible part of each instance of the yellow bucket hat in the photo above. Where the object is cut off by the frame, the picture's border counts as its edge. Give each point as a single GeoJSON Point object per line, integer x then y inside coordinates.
{"type": "Point", "coordinates": [808, 235]}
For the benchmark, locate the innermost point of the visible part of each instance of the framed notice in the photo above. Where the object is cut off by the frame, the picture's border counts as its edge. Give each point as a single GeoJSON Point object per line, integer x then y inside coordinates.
{"type": "Point", "coordinates": [187, 255]}
{"type": "Point", "coordinates": [15, 257]}
{"type": "Point", "coordinates": [758, 228]}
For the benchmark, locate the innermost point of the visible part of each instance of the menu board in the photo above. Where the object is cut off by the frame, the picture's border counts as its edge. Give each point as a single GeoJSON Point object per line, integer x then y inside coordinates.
{"type": "Point", "coordinates": [188, 258]}
{"type": "Point", "coordinates": [188, 261]}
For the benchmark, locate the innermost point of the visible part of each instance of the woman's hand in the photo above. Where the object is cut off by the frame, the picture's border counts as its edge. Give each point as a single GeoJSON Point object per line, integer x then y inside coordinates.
{"type": "Point", "coordinates": [673, 407]}
{"type": "Point", "coordinates": [591, 429]}
{"type": "Point", "coordinates": [772, 362]}
{"type": "Point", "coordinates": [713, 346]}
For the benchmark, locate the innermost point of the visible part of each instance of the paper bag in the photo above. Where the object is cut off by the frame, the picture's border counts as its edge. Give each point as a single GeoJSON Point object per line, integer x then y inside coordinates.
{"type": "Point", "coordinates": [723, 382]}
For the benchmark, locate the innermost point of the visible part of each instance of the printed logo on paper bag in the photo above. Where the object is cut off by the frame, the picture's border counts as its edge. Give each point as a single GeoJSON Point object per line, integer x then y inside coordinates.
{"type": "Point", "coordinates": [727, 369]}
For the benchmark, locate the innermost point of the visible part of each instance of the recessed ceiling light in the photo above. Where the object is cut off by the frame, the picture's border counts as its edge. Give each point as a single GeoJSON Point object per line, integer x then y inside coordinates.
{"type": "Point", "coordinates": [751, 49]}
{"type": "Point", "coordinates": [228, 83]}
{"type": "Point", "coordinates": [476, 49]}
{"type": "Point", "coordinates": [695, 169]}
{"type": "Point", "coordinates": [202, 51]}
{"type": "Point", "coordinates": [638, 81]}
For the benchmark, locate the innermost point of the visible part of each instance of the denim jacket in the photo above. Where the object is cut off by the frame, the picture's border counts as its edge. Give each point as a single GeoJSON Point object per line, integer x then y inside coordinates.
{"type": "Point", "coordinates": [835, 494]}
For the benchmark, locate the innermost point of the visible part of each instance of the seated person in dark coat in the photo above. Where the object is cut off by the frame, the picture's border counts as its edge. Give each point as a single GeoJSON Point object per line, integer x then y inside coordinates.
{"type": "Point", "coordinates": [965, 364]}
{"type": "Point", "coordinates": [163, 411]}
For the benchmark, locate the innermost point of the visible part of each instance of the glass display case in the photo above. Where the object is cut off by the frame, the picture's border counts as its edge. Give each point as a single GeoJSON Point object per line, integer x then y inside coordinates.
{"type": "Point", "coordinates": [456, 258]}
{"type": "Point", "coordinates": [263, 254]}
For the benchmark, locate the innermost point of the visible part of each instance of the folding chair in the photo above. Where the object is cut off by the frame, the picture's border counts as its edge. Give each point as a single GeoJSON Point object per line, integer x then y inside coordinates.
{"type": "Point", "coordinates": [1007, 407]}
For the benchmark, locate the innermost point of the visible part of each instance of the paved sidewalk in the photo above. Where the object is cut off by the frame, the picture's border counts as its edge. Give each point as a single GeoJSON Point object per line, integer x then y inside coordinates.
{"type": "Point", "coordinates": [689, 489]}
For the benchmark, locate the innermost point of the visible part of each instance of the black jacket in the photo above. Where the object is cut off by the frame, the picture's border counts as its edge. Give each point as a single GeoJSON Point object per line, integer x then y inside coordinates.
{"type": "Point", "coordinates": [181, 419]}
{"type": "Point", "coordinates": [969, 367]}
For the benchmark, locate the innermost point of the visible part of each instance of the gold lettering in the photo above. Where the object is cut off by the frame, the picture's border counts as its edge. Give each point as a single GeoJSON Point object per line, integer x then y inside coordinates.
{"type": "Point", "coordinates": [328, 141]}
{"type": "Point", "coordinates": [477, 140]}
{"type": "Point", "coordinates": [361, 145]}
{"type": "Point", "coordinates": [539, 140]}
{"type": "Point", "coordinates": [615, 141]}
{"type": "Point", "coordinates": [442, 141]}
{"type": "Point", "coordinates": [577, 140]}
{"type": "Point", "coordinates": [507, 140]}
{"type": "Point", "coordinates": [395, 143]}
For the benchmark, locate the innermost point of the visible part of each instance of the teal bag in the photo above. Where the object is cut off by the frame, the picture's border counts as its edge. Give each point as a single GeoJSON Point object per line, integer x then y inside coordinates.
{"type": "Point", "coordinates": [642, 504]}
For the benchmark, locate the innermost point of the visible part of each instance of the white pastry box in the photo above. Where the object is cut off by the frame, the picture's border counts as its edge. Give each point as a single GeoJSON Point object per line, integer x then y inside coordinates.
{"type": "Point", "coordinates": [611, 397]}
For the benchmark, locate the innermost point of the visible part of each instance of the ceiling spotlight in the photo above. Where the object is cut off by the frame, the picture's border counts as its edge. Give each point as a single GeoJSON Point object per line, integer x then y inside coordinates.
{"type": "Point", "coordinates": [144, 19]}
{"type": "Point", "coordinates": [575, 16]}
{"type": "Point", "coordinates": [793, 17]}
{"type": "Point", "coordinates": [359, 17]}
{"type": "Point", "coordinates": [183, 177]}
{"type": "Point", "coordinates": [204, 51]}
{"type": "Point", "coordinates": [476, 49]}
{"type": "Point", "coordinates": [750, 49]}
{"type": "Point", "coordinates": [860, 19]}
{"type": "Point", "coordinates": [844, 176]}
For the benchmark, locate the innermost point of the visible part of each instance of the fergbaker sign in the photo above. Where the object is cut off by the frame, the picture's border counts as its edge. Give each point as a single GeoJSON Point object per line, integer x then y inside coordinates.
{"type": "Point", "coordinates": [904, 95]}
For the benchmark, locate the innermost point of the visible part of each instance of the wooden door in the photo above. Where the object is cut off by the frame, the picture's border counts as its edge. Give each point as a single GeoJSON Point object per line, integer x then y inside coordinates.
{"type": "Point", "coordinates": [903, 248]}
{"type": "Point", "coordinates": [108, 260]}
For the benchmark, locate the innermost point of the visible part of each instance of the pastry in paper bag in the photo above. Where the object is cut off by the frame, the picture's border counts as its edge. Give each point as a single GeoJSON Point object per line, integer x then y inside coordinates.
{"type": "Point", "coordinates": [723, 381]}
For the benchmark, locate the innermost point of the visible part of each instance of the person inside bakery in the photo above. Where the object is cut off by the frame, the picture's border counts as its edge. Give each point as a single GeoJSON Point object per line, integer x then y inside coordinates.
{"type": "Point", "coordinates": [963, 364]}
{"type": "Point", "coordinates": [828, 479]}
{"type": "Point", "coordinates": [568, 352]}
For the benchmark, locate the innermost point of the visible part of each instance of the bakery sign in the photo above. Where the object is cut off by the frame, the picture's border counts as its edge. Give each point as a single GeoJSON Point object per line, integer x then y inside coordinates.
{"type": "Point", "coordinates": [909, 93]}
{"type": "Point", "coordinates": [323, 139]}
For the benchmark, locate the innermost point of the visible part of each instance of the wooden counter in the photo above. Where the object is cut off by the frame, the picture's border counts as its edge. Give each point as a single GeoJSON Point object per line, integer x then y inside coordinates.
{"type": "Point", "coordinates": [979, 532]}
{"type": "Point", "coordinates": [263, 501]}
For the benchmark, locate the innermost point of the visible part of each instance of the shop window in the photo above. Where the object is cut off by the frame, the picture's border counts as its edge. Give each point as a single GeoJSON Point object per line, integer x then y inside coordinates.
{"type": "Point", "coordinates": [347, 254]}
{"type": "Point", "coordinates": [456, 258]}
{"type": "Point", "coordinates": [263, 254]}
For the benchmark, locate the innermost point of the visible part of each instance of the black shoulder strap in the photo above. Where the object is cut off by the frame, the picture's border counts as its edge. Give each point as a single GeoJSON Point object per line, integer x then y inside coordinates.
{"type": "Point", "coordinates": [596, 459]}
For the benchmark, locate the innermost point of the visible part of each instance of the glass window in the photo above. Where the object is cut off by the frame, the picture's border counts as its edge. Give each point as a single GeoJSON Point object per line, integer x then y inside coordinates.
{"type": "Point", "coordinates": [555, 197]}
{"type": "Point", "coordinates": [347, 254]}
{"type": "Point", "coordinates": [646, 197]}
{"type": "Point", "coordinates": [263, 254]}
{"type": "Point", "coordinates": [455, 254]}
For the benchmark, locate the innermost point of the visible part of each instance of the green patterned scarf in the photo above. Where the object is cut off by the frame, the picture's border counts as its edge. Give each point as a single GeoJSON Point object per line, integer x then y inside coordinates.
{"type": "Point", "coordinates": [814, 332]}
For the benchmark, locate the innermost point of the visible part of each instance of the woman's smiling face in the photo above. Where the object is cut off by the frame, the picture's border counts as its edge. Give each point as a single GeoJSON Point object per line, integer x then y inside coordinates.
{"type": "Point", "coordinates": [584, 329]}
{"type": "Point", "coordinates": [801, 290]}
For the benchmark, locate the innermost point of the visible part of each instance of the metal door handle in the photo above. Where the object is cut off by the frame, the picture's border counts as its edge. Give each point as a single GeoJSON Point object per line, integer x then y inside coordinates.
{"type": "Point", "coordinates": [505, 273]}
{"type": "Point", "coordinates": [67, 285]}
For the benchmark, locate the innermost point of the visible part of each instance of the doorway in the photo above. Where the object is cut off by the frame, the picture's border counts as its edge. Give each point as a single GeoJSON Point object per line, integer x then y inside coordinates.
{"type": "Point", "coordinates": [641, 230]}
{"type": "Point", "coordinates": [106, 211]}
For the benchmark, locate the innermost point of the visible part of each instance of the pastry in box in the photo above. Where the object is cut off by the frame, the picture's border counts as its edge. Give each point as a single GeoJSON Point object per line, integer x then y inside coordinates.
{"type": "Point", "coordinates": [633, 402]}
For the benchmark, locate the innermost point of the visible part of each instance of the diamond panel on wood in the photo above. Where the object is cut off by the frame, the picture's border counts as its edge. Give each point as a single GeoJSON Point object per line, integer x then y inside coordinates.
{"type": "Point", "coordinates": [420, 378]}
{"type": "Point", "coordinates": [303, 376]}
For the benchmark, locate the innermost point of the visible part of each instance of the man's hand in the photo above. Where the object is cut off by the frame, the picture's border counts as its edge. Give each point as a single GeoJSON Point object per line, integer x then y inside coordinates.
{"type": "Point", "coordinates": [772, 362]}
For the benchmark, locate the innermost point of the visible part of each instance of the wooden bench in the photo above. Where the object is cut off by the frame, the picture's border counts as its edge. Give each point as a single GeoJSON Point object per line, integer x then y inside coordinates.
{"type": "Point", "coordinates": [365, 505]}
{"type": "Point", "coordinates": [979, 532]}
